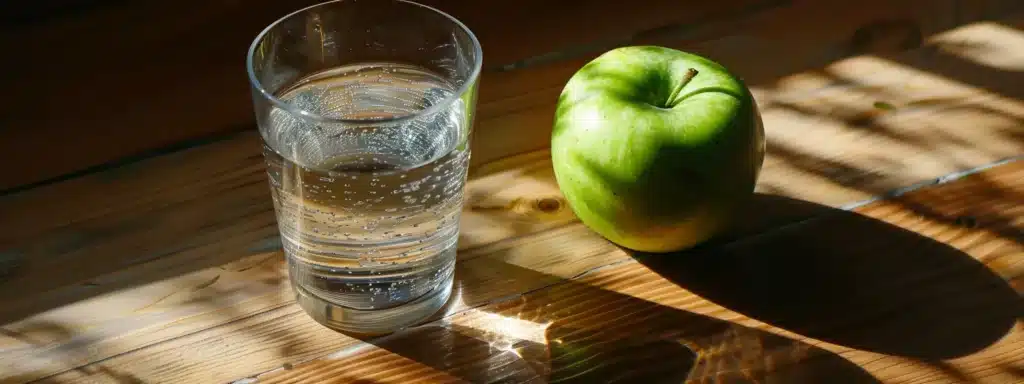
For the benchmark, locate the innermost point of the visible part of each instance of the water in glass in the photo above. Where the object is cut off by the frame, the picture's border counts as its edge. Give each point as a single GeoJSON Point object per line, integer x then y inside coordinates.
{"type": "Point", "coordinates": [368, 209]}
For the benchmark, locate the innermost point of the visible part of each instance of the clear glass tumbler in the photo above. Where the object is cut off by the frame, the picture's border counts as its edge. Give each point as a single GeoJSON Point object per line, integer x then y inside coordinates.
{"type": "Point", "coordinates": [366, 111]}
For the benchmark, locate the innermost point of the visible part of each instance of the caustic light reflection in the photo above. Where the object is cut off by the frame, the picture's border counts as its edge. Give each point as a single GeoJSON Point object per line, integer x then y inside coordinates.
{"type": "Point", "coordinates": [500, 332]}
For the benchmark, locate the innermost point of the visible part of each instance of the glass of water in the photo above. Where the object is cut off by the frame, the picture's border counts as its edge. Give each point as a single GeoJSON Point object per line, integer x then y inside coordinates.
{"type": "Point", "coordinates": [366, 110]}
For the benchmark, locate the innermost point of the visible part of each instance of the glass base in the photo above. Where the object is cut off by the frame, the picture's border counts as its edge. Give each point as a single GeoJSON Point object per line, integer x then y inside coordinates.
{"type": "Point", "coordinates": [377, 321]}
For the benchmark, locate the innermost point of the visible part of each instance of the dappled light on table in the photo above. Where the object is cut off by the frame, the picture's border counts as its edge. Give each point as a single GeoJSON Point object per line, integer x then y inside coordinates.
{"type": "Point", "coordinates": [585, 330]}
{"type": "Point", "coordinates": [168, 268]}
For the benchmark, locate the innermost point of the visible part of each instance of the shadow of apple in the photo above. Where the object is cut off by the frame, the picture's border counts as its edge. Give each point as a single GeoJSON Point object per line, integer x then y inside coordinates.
{"type": "Point", "coordinates": [850, 280]}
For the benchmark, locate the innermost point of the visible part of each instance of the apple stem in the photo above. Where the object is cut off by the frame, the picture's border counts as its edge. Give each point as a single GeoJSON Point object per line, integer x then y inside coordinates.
{"type": "Point", "coordinates": [687, 77]}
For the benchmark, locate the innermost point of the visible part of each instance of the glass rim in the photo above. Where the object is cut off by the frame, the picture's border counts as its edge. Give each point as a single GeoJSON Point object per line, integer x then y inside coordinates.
{"type": "Point", "coordinates": [277, 102]}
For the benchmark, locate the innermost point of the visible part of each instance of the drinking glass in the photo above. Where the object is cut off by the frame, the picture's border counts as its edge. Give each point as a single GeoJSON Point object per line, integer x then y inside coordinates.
{"type": "Point", "coordinates": [366, 109]}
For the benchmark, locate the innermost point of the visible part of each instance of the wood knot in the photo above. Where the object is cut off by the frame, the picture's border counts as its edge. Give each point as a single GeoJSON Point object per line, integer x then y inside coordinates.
{"type": "Point", "coordinates": [967, 222]}
{"type": "Point", "coordinates": [548, 205]}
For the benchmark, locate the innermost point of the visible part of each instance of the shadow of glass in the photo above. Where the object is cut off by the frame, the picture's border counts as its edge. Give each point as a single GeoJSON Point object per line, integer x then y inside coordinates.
{"type": "Point", "coordinates": [851, 280]}
{"type": "Point", "coordinates": [589, 356]}
{"type": "Point", "coordinates": [578, 356]}
{"type": "Point", "coordinates": [586, 334]}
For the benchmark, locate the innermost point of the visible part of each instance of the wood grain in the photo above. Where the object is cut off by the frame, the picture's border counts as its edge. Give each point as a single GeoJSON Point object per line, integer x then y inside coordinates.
{"type": "Point", "coordinates": [811, 62]}
{"type": "Point", "coordinates": [245, 266]}
{"type": "Point", "coordinates": [191, 231]}
{"type": "Point", "coordinates": [131, 77]}
{"type": "Point", "coordinates": [829, 143]}
{"type": "Point", "coordinates": [837, 297]}
{"type": "Point", "coordinates": [283, 334]}
{"type": "Point", "coordinates": [849, 297]}
{"type": "Point", "coordinates": [135, 94]}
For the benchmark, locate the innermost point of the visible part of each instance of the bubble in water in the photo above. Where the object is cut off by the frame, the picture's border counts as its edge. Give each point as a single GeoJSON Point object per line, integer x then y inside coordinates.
{"type": "Point", "coordinates": [414, 260]}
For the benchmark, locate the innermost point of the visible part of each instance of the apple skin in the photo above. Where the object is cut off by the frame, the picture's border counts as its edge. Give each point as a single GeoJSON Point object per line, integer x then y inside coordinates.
{"type": "Point", "coordinates": [650, 159]}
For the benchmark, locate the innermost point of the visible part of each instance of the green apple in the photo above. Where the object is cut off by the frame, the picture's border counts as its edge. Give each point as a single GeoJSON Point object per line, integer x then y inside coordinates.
{"type": "Point", "coordinates": [655, 149]}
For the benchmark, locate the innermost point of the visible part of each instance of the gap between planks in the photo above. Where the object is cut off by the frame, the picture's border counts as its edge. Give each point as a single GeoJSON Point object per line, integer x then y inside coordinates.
{"type": "Point", "coordinates": [848, 200]}
{"type": "Point", "coordinates": [362, 344]}
{"type": "Point", "coordinates": [883, 212]}
{"type": "Point", "coordinates": [233, 25]}
{"type": "Point", "coordinates": [359, 344]}
{"type": "Point", "coordinates": [588, 270]}
{"type": "Point", "coordinates": [670, 34]}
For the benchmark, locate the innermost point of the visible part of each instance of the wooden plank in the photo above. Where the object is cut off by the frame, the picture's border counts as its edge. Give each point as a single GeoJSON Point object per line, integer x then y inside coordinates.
{"type": "Point", "coordinates": [801, 119]}
{"type": "Point", "coordinates": [838, 297]}
{"type": "Point", "coordinates": [107, 94]}
{"type": "Point", "coordinates": [166, 47]}
{"type": "Point", "coordinates": [125, 228]}
{"type": "Point", "coordinates": [116, 254]}
{"type": "Point", "coordinates": [539, 27]}
{"type": "Point", "coordinates": [809, 61]}
{"type": "Point", "coordinates": [219, 303]}
{"type": "Point", "coordinates": [920, 285]}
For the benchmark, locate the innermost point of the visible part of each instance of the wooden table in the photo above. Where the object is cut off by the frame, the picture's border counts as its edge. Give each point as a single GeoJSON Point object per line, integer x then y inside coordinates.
{"type": "Point", "coordinates": [885, 244]}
